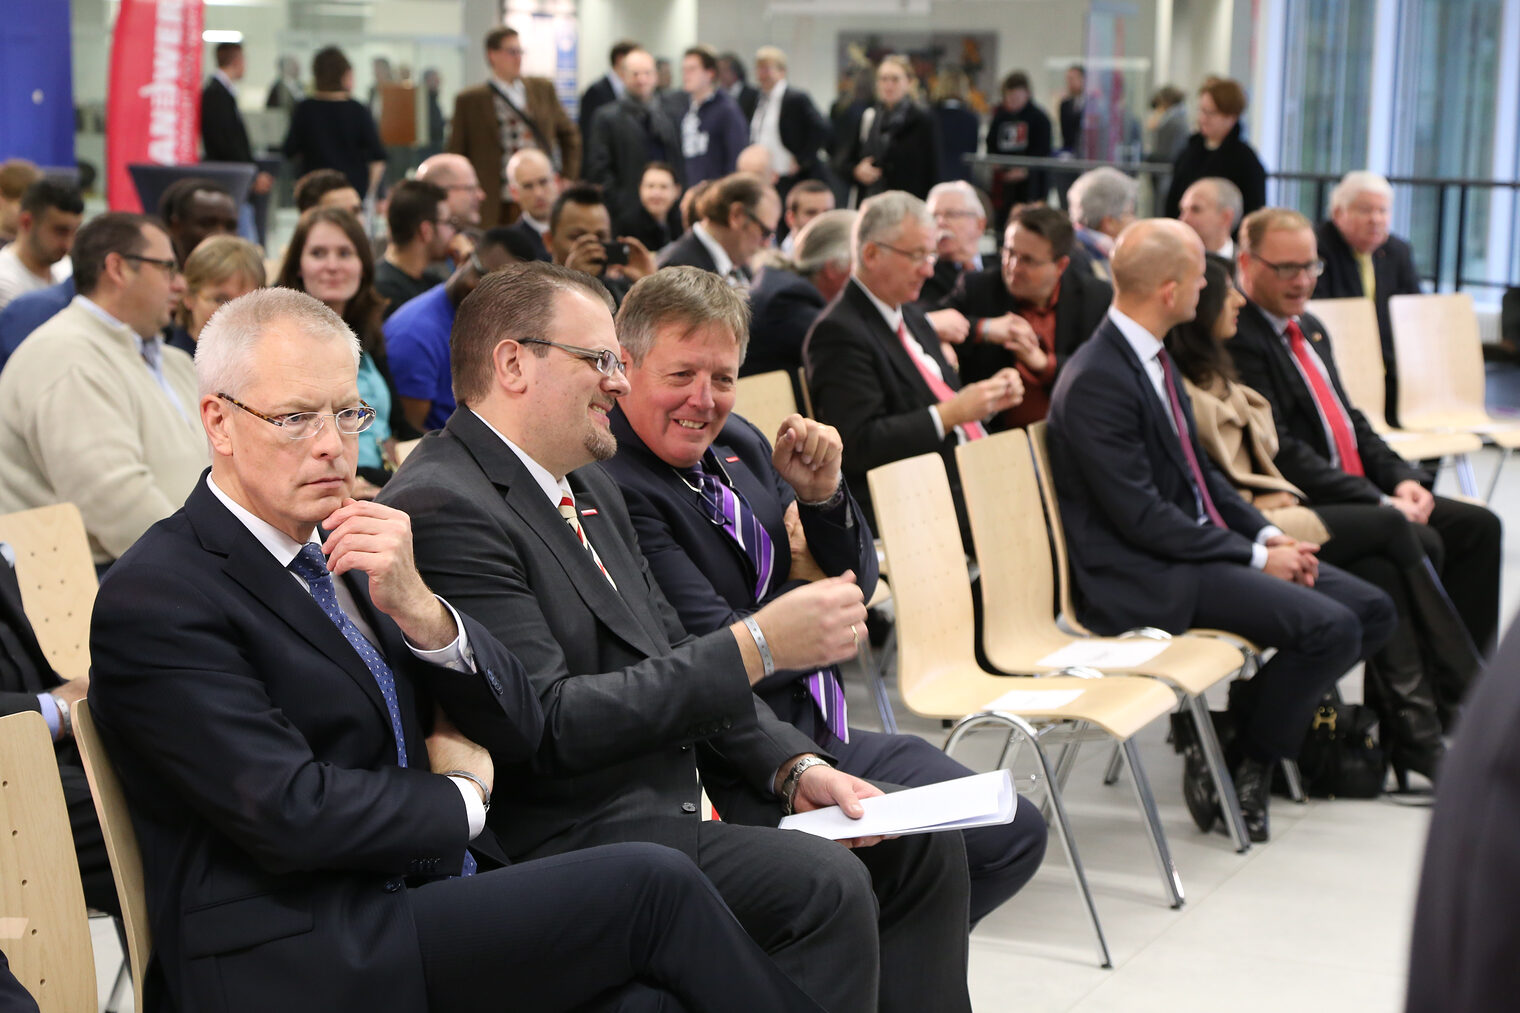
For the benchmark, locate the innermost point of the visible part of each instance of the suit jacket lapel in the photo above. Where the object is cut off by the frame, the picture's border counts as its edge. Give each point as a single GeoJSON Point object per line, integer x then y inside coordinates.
{"type": "Point", "coordinates": [1289, 380]}
{"type": "Point", "coordinates": [1147, 392]}
{"type": "Point", "coordinates": [897, 355]}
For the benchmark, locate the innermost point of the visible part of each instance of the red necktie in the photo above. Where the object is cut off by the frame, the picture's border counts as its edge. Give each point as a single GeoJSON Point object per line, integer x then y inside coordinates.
{"type": "Point", "coordinates": [1329, 406]}
{"type": "Point", "coordinates": [937, 386]}
{"type": "Point", "coordinates": [1169, 380]}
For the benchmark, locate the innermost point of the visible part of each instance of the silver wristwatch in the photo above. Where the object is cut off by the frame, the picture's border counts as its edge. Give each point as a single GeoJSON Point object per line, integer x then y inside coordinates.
{"type": "Point", "coordinates": [794, 778]}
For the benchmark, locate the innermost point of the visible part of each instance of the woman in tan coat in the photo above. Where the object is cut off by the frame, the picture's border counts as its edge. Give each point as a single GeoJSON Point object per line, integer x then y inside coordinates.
{"type": "Point", "coordinates": [1416, 680]}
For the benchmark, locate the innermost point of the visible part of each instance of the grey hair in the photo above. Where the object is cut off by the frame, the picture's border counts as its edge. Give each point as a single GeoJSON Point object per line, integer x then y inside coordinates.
{"type": "Point", "coordinates": [225, 353]}
{"type": "Point", "coordinates": [882, 217]}
{"type": "Point", "coordinates": [961, 187]}
{"type": "Point", "coordinates": [688, 296]}
{"type": "Point", "coordinates": [823, 241]}
{"type": "Point", "coordinates": [1356, 183]}
{"type": "Point", "coordinates": [1102, 193]}
{"type": "Point", "coordinates": [1227, 195]}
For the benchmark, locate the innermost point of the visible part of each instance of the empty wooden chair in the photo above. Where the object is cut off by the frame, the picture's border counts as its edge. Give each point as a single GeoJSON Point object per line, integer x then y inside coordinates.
{"type": "Point", "coordinates": [44, 928]}
{"type": "Point", "coordinates": [1358, 350]}
{"type": "Point", "coordinates": [1018, 587]}
{"type": "Point", "coordinates": [57, 578]}
{"type": "Point", "coordinates": [121, 844]}
{"type": "Point", "coordinates": [1441, 381]}
{"type": "Point", "coordinates": [939, 677]}
{"type": "Point", "coordinates": [766, 399]}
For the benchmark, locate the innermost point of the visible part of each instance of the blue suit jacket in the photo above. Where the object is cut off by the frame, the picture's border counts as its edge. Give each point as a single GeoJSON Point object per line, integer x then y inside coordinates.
{"type": "Point", "coordinates": [783, 306]}
{"type": "Point", "coordinates": [704, 573]}
{"type": "Point", "coordinates": [1126, 493]}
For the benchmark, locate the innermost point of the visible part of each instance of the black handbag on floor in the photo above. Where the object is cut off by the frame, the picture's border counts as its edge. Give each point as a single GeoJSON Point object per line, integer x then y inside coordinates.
{"type": "Point", "coordinates": [1342, 756]}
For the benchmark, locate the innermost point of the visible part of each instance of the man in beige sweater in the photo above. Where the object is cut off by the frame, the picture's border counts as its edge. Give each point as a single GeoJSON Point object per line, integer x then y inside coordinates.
{"type": "Point", "coordinates": [95, 409]}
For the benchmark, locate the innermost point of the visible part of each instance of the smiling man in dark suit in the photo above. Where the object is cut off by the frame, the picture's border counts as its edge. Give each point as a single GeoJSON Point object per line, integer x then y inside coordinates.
{"type": "Point", "coordinates": [512, 526]}
{"type": "Point", "coordinates": [684, 462]}
{"type": "Point", "coordinates": [1159, 538]}
{"type": "Point", "coordinates": [267, 665]}
{"type": "Point", "coordinates": [874, 364]}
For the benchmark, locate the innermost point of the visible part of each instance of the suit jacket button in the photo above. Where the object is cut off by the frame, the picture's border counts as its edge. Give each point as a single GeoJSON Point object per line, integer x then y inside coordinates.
{"type": "Point", "coordinates": [688, 807]}
{"type": "Point", "coordinates": [392, 885]}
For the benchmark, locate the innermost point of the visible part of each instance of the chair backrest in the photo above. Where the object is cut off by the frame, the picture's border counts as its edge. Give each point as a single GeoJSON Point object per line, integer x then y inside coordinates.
{"type": "Point", "coordinates": [1012, 546]}
{"type": "Point", "coordinates": [1440, 356]}
{"type": "Point", "coordinates": [1041, 453]}
{"type": "Point", "coordinates": [807, 395]}
{"type": "Point", "coordinates": [404, 449]}
{"type": "Point", "coordinates": [57, 578]}
{"type": "Point", "coordinates": [44, 928]}
{"type": "Point", "coordinates": [766, 399]}
{"type": "Point", "coordinates": [915, 518]}
{"type": "Point", "coordinates": [1353, 327]}
{"type": "Point", "coordinates": [121, 843]}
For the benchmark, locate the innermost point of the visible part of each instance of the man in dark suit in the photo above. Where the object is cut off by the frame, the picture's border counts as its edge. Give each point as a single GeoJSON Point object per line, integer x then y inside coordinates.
{"type": "Point", "coordinates": [788, 124]}
{"type": "Point", "coordinates": [29, 683]}
{"type": "Point", "coordinates": [534, 188]}
{"type": "Point", "coordinates": [604, 91]}
{"type": "Point", "coordinates": [512, 525]}
{"type": "Point", "coordinates": [1158, 537]}
{"type": "Point", "coordinates": [266, 696]}
{"type": "Point", "coordinates": [1326, 447]}
{"type": "Point", "coordinates": [224, 137]}
{"type": "Point", "coordinates": [1465, 933]}
{"type": "Point", "coordinates": [510, 112]}
{"type": "Point", "coordinates": [1363, 259]}
{"type": "Point", "coordinates": [739, 214]}
{"type": "Point", "coordinates": [790, 294]}
{"type": "Point", "coordinates": [287, 89]}
{"type": "Point", "coordinates": [873, 361]}
{"type": "Point", "coordinates": [1031, 313]}
{"type": "Point", "coordinates": [733, 79]}
{"type": "Point", "coordinates": [628, 134]}
{"type": "Point", "coordinates": [961, 221]}
{"type": "Point", "coordinates": [787, 513]}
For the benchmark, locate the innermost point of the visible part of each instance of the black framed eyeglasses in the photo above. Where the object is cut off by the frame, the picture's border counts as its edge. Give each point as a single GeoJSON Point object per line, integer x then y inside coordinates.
{"type": "Point", "coordinates": [170, 266]}
{"type": "Point", "coordinates": [305, 425]}
{"type": "Point", "coordinates": [1287, 272]}
{"type": "Point", "coordinates": [604, 359]}
{"type": "Point", "coordinates": [766, 232]}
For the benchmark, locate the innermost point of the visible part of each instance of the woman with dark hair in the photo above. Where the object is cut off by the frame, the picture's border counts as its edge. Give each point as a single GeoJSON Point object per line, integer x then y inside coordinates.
{"type": "Point", "coordinates": [329, 259]}
{"type": "Point", "coordinates": [1416, 681]}
{"type": "Point", "coordinates": [1217, 149]}
{"type": "Point", "coordinates": [895, 147]}
{"type": "Point", "coordinates": [331, 130]}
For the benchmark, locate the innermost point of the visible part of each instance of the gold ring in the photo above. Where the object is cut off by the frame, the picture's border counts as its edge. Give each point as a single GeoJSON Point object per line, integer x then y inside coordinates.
{"type": "Point", "coordinates": [854, 636]}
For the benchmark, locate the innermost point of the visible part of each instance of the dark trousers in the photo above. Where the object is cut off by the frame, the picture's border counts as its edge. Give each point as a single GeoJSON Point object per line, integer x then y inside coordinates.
{"type": "Point", "coordinates": [626, 927]}
{"type": "Point", "coordinates": [1000, 859]}
{"type": "Point", "coordinates": [1464, 542]}
{"type": "Point", "coordinates": [878, 928]}
{"type": "Point", "coordinates": [1319, 633]}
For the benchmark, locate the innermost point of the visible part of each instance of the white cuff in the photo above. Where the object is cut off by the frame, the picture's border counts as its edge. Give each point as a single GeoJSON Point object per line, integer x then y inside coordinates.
{"type": "Point", "coordinates": [1269, 532]}
{"type": "Point", "coordinates": [939, 423]}
{"type": "Point", "coordinates": [456, 655]}
{"type": "Point", "coordinates": [474, 809]}
{"type": "Point", "coordinates": [1258, 556]}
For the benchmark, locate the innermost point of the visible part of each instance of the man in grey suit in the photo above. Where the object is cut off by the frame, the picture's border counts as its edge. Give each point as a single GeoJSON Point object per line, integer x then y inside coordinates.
{"type": "Point", "coordinates": [510, 525]}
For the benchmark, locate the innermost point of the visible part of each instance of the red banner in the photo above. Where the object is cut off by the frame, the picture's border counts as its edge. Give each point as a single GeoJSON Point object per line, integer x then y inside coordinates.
{"type": "Point", "coordinates": [153, 103]}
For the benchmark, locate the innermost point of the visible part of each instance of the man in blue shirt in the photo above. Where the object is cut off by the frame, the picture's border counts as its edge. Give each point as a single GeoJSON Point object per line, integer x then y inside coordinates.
{"type": "Point", "coordinates": [417, 334]}
{"type": "Point", "coordinates": [28, 312]}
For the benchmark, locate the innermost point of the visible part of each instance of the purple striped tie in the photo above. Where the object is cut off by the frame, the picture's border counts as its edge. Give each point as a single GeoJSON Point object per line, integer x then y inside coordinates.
{"type": "Point", "coordinates": [727, 509]}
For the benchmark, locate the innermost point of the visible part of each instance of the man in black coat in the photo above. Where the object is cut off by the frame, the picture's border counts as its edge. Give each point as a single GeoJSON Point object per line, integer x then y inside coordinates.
{"type": "Point", "coordinates": [29, 683]}
{"type": "Point", "coordinates": [512, 524]}
{"type": "Point", "coordinates": [787, 122]}
{"type": "Point", "coordinates": [1326, 447]}
{"type": "Point", "coordinates": [874, 365]}
{"type": "Point", "coordinates": [295, 723]}
{"type": "Point", "coordinates": [605, 90]}
{"type": "Point", "coordinates": [627, 135]}
{"type": "Point", "coordinates": [1363, 259]}
{"type": "Point", "coordinates": [793, 521]}
{"type": "Point", "coordinates": [223, 133]}
{"type": "Point", "coordinates": [1159, 537]}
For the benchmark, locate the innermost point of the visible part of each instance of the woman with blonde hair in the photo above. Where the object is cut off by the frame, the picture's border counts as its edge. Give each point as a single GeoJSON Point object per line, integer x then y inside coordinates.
{"type": "Point", "coordinates": [217, 271]}
{"type": "Point", "coordinates": [895, 147]}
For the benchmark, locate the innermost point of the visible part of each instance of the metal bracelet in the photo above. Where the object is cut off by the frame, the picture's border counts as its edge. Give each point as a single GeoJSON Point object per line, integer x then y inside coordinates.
{"type": "Point", "coordinates": [767, 663]}
{"type": "Point", "coordinates": [484, 791]}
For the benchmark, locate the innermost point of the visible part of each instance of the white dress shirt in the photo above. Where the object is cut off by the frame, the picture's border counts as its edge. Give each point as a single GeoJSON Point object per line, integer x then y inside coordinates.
{"type": "Point", "coordinates": [456, 655]}
{"type": "Point", "coordinates": [1147, 348]}
{"type": "Point", "coordinates": [1280, 327]}
{"type": "Point", "coordinates": [722, 263]}
{"type": "Point", "coordinates": [765, 128]}
{"type": "Point", "coordinates": [516, 91]}
{"type": "Point", "coordinates": [894, 318]}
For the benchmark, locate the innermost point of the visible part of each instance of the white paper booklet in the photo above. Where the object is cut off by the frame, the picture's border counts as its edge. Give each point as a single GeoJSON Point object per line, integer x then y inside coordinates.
{"type": "Point", "coordinates": [980, 800]}
{"type": "Point", "coordinates": [1101, 654]}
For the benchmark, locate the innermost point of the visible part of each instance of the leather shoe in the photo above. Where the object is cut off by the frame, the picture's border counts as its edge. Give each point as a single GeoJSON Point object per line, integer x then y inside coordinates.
{"type": "Point", "coordinates": [1253, 783]}
{"type": "Point", "coordinates": [1198, 788]}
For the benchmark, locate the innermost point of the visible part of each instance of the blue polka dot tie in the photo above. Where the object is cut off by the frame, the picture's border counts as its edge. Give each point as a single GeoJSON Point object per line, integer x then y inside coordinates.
{"type": "Point", "coordinates": [311, 566]}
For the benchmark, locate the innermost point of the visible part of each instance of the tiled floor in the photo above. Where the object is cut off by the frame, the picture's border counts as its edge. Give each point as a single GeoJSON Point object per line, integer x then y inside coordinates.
{"type": "Point", "coordinates": [1317, 919]}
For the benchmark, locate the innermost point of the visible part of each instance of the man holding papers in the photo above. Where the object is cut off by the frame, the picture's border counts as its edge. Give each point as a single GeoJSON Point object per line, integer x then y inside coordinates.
{"type": "Point", "coordinates": [728, 526]}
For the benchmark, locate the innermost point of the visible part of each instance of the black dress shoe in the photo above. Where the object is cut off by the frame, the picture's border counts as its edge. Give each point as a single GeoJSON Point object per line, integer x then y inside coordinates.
{"type": "Point", "coordinates": [1198, 789]}
{"type": "Point", "coordinates": [1253, 783]}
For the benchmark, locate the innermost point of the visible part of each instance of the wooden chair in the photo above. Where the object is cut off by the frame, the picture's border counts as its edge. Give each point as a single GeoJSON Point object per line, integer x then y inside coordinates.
{"type": "Point", "coordinates": [939, 677]}
{"type": "Point", "coordinates": [1018, 588]}
{"type": "Point", "coordinates": [121, 844]}
{"type": "Point", "coordinates": [404, 450]}
{"type": "Point", "coordinates": [807, 395]}
{"type": "Point", "coordinates": [44, 928]}
{"type": "Point", "coordinates": [1358, 352]}
{"type": "Point", "coordinates": [1441, 382]}
{"type": "Point", "coordinates": [1068, 613]}
{"type": "Point", "coordinates": [57, 578]}
{"type": "Point", "coordinates": [766, 399]}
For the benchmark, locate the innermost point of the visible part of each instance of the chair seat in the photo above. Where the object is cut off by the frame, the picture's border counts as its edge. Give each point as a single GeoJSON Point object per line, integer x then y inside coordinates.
{"type": "Point", "coordinates": [1497, 431]}
{"type": "Point", "coordinates": [1420, 446]}
{"type": "Point", "coordinates": [1191, 664]}
{"type": "Point", "coordinates": [1121, 705]}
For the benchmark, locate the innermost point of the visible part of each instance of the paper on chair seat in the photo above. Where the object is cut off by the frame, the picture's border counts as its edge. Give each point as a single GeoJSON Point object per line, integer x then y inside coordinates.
{"type": "Point", "coordinates": [1105, 654]}
{"type": "Point", "coordinates": [980, 800]}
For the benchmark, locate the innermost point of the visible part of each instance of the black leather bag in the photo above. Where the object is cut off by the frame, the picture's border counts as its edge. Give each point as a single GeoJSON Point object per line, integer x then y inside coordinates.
{"type": "Point", "coordinates": [1342, 756]}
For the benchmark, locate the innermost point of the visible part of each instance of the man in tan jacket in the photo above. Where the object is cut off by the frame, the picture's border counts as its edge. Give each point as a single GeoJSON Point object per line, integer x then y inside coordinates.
{"type": "Point", "coordinates": [95, 409]}
{"type": "Point", "coordinates": [495, 120]}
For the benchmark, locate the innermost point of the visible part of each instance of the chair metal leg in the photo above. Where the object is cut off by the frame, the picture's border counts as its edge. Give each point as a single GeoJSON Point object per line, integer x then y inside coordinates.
{"type": "Point", "coordinates": [1171, 882]}
{"type": "Point", "coordinates": [123, 979]}
{"type": "Point", "coordinates": [1466, 480]}
{"type": "Point", "coordinates": [1224, 784]}
{"type": "Point", "coordinates": [1014, 744]}
{"type": "Point", "coordinates": [1295, 782]}
{"type": "Point", "coordinates": [1115, 764]}
{"type": "Point", "coordinates": [1494, 482]}
{"type": "Point", "coordinates": [876, 678]}
{"type": "Point", "coordinates": [1066, 759]}
{"type": "Point", "coordinates": [1059, 821]}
